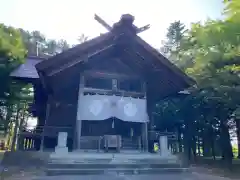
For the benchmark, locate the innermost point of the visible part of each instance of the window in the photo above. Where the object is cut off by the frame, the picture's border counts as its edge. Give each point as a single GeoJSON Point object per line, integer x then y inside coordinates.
{"type": "Point", "coordinates": [130, 85]}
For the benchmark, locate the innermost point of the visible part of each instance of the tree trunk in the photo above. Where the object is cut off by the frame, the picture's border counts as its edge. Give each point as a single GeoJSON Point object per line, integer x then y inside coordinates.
{"type": "Point", "coordinates": [179, 139]}
{"type": "Point", "coordinates": [187, 142]}
{"type": "Point", "coordinates": [22, 120]}
{"type": "Point", "coordinates": [7, 121]}
{"type": "Point", "coordinates": [238, 135]}
{"type": "Point", "coordinates": [194, 147]}
{"type": "Point", "coordinates": [199, 145]}
{"type": "Point", "coordinates": [213, 147]}
{"type": "Point", "coordinates": [206, 143]}
{"type": "Point", "coordinates": [226, 146]}
{"type": "Point", "coordinates": [15, 129]}
{"type": "Point", "coordinates": [9, 136]}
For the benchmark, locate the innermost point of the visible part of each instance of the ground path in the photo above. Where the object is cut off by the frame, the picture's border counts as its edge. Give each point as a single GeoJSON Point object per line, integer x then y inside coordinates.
{"type": "Point", "coordinates": [185, 176]}
{"type": "Point", "coordinates": [195, 174]}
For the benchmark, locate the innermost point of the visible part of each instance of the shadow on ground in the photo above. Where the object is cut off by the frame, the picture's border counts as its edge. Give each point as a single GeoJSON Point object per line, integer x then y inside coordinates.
{"type": "Point", "coordinates": [23, 165]}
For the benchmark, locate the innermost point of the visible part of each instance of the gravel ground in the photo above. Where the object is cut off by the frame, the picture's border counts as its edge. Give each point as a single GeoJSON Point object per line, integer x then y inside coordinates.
{"type": "Point", "coordinates": [183, 176]}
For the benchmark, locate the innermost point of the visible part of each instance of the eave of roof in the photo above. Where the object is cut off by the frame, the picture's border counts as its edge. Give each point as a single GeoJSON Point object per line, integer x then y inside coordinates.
{"type": "Point", "coordinates": [165, 62]}
{"type": "Point", "coordinates": [27, 70]}
{"type": "Point", "coordinates": [59, 58]}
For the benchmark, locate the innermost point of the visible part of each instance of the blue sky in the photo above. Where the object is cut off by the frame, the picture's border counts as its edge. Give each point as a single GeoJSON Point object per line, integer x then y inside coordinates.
{"type": "Point", "coordinates": [68, 19]}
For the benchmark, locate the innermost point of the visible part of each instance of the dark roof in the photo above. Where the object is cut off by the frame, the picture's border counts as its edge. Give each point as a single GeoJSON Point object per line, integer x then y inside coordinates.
{"type": "Point", "coordinates": [162, 75]}
{"type": "Point", "coordinates": [78, 53]}
{"type": "Point", "coordinates": [27, 70]}
{"type": "Point", "coordinates": [75, 51]}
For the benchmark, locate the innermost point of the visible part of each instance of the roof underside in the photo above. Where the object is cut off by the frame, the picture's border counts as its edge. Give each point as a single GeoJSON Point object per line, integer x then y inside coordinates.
{"type": "Point", "coordinates": [27, 70]}
{"type": "Point", "coordinates": [137, 51]}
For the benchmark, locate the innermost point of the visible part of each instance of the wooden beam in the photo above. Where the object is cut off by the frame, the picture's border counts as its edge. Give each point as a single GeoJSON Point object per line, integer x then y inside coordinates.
{"type": "Point", "coordinates": [126, 66]}
{"type": "Point", "coordinates": [134, 50]}
{"type": "Point", "coordinates": [144, 28]}
{"type": "Point", "coordinates": [157, 67]}
{"type": "Point", "coordinates": [111, 66]}
{"type": "Point", "coordinates": [102, 22]}
{"type": "Point", "coordinates": [75, 51]}
{"type": "Point", "coordinates": [117, 92]}
{"type": "Point", "coordinates": [132, 61]}
{"type": "Point", "coordinates": [163, 61]}
{"type": "Point", "coordinates": [80, 59]}
{"type": "Point", "coordinates": [109, 75]}
{"type": "Point", "coordinates": [45, 84]}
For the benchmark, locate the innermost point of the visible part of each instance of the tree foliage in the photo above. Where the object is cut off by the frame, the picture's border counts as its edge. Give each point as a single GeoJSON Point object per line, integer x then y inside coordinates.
{"type": "Point", "coordinates": [12, 54]}
{"type": "Point", "coordinates": [15, 46]}
{"type": "Point", "coordinates": [38, 45]}
{"type": "Point", "coordinates": [210, 53]}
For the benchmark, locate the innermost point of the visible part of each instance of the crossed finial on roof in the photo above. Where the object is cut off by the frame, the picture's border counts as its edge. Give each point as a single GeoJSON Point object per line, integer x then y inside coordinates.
{"type": "Point", "coordinates": [126, 18]}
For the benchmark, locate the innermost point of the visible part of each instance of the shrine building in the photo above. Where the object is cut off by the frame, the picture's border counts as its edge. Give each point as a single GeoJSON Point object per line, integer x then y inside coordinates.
{"type": "Point", "coordinates": [106, 86]}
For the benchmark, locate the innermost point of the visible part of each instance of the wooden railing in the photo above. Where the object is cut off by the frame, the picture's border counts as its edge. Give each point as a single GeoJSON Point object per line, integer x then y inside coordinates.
{"type": "Point", "coordinates": [34, 138]}
{"type": "Point", "coordinates": [134, 143]}
{"type": "Point", "coordinates": [91, 143]}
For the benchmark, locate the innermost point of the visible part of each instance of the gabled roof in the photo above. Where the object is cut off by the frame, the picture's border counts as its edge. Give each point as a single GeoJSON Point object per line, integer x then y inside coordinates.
{"type": "Point", "coordinates": [162, 75]}
{"type": "Point", "coordinates": [27, 70]}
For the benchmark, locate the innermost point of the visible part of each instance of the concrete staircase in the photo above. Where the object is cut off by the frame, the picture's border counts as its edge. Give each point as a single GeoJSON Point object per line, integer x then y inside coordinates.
{"type": "Point", "coordinates": [104, 163]}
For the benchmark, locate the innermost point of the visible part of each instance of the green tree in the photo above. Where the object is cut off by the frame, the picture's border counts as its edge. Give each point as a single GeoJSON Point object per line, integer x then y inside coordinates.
{"type": "Point", "coordinates": [171, 47]}
{"type": "Point", "coordinates": [12, 54]}
{"type": "Point", "coordinates": [37, 44]}
{"type": "Point", "coordinates": [210, 53]}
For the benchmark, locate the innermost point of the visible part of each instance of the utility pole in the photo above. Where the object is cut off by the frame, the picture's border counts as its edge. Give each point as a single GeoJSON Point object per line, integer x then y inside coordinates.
{"type": "Point", "coordinates": [38, 45]}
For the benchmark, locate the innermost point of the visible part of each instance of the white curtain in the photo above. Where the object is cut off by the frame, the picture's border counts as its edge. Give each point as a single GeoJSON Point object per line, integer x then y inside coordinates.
{"type": "Point", "coordinates": [131, 109]}
{"type": "Point", "coordinates": [94, 107]}
{"type": "Point", "coordinates": [101, 107]}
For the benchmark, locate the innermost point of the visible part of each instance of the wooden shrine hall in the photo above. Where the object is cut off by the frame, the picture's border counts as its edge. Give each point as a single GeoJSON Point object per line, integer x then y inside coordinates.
{"type": "Point", "coordinates": [106, 86]}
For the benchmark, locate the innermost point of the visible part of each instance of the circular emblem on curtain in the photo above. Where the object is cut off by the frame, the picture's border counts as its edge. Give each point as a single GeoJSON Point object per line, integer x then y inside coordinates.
{"type": "Point", "coordinates": [96, 107]}
{"type": "Point", "coordinates": [130, 109]}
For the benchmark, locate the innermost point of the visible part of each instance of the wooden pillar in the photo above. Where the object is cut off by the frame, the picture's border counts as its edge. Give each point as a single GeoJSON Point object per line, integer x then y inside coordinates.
{"type": "Point", "coordinates": [45, 122]}
{"type": "Point", "coordinates": [79, 132]}
{"type": "Point", "coordinates": [78, 118]}
{"type": "Point", "coordinates": [15, 132]}
{"type": "Point", "coordinates": [145, 136]}
{"type": "Point", "coordinates": [145, 125]}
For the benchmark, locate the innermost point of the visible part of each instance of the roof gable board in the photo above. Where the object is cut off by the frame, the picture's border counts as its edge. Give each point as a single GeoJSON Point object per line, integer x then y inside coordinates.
{"type": "Point", "coordinates": [73, 52]}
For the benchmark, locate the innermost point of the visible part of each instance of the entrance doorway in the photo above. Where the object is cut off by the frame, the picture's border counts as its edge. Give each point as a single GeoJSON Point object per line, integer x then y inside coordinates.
{"type": "Point", "coordinates": [111, 126]}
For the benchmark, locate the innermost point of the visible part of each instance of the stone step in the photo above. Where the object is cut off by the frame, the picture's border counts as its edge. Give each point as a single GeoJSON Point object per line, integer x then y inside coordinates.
{"type": "Point", "coordinates": [114, 160]}
{"type": "Point", "coordinates": [109, 165]}
{"type": "Point", "coordinates": [131, 171]}
{"type": "Point", "coordinates": [73, 161]}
